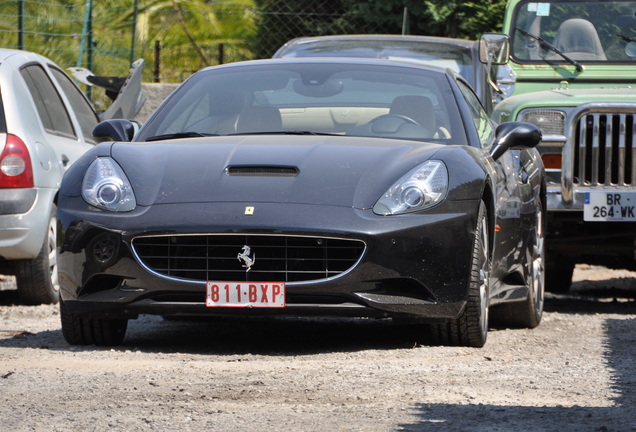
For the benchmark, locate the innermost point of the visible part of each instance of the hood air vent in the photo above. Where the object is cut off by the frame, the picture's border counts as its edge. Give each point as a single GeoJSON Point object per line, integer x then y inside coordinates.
{"type": "Point", "coordinates": [262, 171]}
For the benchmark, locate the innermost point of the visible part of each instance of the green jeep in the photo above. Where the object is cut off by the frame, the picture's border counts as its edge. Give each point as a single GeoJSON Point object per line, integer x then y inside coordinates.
{"type": "Point", "coordinates": [571, 72]}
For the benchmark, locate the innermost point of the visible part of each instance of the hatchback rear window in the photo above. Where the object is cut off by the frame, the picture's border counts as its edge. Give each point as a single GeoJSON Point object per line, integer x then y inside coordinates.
{"type": "Point", "coordinates": [48, 102]}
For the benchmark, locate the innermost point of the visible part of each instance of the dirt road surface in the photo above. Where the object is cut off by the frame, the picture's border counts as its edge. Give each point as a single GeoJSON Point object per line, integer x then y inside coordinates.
{"type": "Point", "coordinates": [575, 372]}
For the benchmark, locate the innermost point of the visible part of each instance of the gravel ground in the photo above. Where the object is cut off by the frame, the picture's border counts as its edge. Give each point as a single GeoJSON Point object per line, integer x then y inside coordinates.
{"type": "Point", "coordinates": [575, 372]}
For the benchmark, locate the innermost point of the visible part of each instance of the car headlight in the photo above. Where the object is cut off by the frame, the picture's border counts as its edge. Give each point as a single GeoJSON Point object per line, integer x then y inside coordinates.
{"type": "Point", "coordinates": [551, 122]}
{"type": "Point", "coordinates": [421, 188]}
{"type": "Point", "coordinates": [106, 186]}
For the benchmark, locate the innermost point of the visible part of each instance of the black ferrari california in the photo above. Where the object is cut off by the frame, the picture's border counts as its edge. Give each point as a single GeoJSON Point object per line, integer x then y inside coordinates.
{"type": "Point", "coordinates": [324, 187]}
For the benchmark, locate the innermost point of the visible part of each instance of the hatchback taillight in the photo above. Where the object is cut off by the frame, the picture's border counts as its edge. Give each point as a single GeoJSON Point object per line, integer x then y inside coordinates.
{"type": "Point", "coordinates": [16, 170]}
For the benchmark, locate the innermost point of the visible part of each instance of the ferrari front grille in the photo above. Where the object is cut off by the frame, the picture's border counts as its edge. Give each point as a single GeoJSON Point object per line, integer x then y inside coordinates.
{"type": "Point", "coordinates": [605, 150]}
{"type": "Point", "coordinates": [245, 258]}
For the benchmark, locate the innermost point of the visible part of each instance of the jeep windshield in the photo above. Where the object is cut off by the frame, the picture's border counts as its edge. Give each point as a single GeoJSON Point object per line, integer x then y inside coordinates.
{"type": "Point", "coordinates": [583, 31]}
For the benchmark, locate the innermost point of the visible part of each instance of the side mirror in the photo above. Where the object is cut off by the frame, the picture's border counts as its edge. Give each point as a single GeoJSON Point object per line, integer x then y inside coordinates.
{"type": "Point", "coordinates": [114, 130]}
{"type": "Point", "coordinates": [494, 48]}
{"type": "Point", "coordinates": [515, 135]}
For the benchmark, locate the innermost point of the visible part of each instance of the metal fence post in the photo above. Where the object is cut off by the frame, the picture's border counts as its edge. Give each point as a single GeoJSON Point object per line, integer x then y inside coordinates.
{"type": "Point", "coordinates": [157, 60]}
{"type": "Point", "coordinates": [20, 24]}
{"type": "Point", "coordinates": [134, 32]}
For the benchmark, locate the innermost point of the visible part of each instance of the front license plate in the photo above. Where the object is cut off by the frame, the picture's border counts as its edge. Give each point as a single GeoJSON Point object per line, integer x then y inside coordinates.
{"type": "Point", "coordinates": [609, 207]}
{"type": "Point", "coordinates": [245, 294]}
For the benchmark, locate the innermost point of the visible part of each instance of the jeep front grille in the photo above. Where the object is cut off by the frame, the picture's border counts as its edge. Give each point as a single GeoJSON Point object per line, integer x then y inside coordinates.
{"type": "Point", "coordinates": [605, 150]}
{"type": "Point", "coordinates": [276, 258]}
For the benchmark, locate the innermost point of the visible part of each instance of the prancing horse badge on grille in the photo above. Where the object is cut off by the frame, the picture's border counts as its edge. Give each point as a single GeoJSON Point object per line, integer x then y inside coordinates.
{"type": "Point", "coordinates": [246, 259]}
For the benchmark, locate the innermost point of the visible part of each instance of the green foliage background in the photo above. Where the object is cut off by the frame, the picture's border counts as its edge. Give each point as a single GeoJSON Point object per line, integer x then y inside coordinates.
{"type": "Point", "coordinates": [451, 18]}
{"type": "Point", "coordinates": [194, 33]}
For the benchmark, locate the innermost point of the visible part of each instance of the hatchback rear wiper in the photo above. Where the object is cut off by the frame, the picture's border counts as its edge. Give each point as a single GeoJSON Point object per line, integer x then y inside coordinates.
{"type": "Point", "coordinates": [547, 45]}
{"type": "Point", "coordinates": [179, 135]}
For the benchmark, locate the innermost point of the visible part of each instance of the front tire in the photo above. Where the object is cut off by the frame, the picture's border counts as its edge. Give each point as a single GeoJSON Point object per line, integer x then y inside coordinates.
{"type": "Point", "coordinates": [528, 313]}
{"type": "Point", "coordinates": [471, 327]}
{"type": "Point", "coordinates": [558, 274]}
{"type": "Point", "coordinates": [37, 279]}
{"type": "Point", "coordinates": [81, 330]}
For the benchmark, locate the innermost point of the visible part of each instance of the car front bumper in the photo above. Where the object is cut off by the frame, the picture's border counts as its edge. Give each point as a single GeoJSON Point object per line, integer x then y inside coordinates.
{"type": "Point", "coordinates": [607, 243]}
{"type": "Point", "coordinates": [413, 265]}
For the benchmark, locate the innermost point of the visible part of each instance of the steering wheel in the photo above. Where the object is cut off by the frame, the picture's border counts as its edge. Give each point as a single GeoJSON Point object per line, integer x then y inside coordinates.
{"type": "Point", "coordinates": [404, 118]}
{"type": "Point", "coordinates": [399, 126]}
{"type": "Point", "coordinates": [442, 133]}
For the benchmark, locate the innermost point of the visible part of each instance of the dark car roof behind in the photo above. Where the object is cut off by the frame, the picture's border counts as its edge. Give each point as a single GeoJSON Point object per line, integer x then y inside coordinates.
{"type": "Point", "coordinates": [459, 55]}
{"type": "Point", "coordinates": [374, 37]}
{"type": "Point", "coordinates": [345, 60]}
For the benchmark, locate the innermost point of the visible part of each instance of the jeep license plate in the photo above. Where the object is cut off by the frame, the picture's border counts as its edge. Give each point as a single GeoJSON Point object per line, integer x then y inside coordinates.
{"type": "Point", "coordinates": [245, 294]}
{"type": "Point", "coordinates": [609, 207]}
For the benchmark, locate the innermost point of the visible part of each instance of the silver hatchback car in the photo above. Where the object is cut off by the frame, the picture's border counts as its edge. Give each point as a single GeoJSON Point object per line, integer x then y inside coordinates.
{"type": "Point", "coordinates": [46, 124]}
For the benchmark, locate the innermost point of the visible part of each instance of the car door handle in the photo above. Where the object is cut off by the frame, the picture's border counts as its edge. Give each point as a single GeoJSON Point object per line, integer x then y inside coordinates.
{"type": "Point", "coordinates": [65, 160]}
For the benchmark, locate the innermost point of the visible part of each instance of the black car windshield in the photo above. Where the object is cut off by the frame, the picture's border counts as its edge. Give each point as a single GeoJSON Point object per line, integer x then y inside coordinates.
{"type": "Point", "coordinates": [303, 98]}
{"type": "Point", "coordinates": [584, 31]}
{"type": "Point", "coordinates": [453, 56]}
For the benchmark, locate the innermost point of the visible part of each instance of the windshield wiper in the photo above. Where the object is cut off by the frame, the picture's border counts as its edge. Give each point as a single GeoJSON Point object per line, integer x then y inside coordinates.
{"type": "Point", "coordinates": [179, 135]}
{"type": "Point", "coordinates": [547, 45]}
{"type": "Point", "coordinates": [626, 38]}
{"type": "Point", "coordinates": [305, 132]}
{"type": "Point", "coordinates": [288, 132]}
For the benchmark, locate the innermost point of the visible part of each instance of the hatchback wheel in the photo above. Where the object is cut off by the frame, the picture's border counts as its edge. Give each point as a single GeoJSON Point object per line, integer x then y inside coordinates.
{"type": "Point", "coordinates": [37, 278]}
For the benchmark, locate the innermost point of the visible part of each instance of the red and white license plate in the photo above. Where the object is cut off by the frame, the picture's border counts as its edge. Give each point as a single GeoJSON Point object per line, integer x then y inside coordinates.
{"type": "Point", "coordinates": [245, 294]}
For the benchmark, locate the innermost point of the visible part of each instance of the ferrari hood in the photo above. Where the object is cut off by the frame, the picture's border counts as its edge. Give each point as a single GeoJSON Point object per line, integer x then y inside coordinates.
{"type": "Point", "coordinates": [321, 170]}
